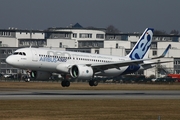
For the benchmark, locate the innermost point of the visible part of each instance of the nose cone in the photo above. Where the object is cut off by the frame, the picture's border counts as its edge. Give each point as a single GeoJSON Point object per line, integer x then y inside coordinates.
{"type": "Point", "coordinates": [9, 60]}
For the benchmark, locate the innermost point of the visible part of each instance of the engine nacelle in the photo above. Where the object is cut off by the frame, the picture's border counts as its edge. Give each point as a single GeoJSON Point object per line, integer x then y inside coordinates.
{"type": "Point", "coordinates": [40, 75]}
{"type": "Point", "coordinates": [81, 72]}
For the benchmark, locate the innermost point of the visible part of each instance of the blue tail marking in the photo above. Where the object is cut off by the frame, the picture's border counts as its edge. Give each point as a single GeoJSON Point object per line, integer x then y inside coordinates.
{"type": "Point", "coordinates": [142, 46]}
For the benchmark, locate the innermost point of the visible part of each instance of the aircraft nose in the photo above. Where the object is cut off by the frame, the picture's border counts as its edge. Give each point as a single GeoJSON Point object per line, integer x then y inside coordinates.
{"type": "Point", "coordinates": [9, 60]}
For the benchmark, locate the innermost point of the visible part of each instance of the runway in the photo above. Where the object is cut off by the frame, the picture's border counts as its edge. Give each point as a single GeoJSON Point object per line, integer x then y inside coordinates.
{"type": "Point", "coordinates": [87, 94]}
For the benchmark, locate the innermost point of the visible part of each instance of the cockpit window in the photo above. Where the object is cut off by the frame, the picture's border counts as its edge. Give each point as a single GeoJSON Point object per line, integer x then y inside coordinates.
{"type": "Point", "coordinates": [15, 53]}
{"type": "Point", "coordinates": [19, 53]}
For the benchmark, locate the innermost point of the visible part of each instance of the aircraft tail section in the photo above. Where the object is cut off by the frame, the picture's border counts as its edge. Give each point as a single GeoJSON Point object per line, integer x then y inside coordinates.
{"type": "Point", "coordinates": [142, 46]}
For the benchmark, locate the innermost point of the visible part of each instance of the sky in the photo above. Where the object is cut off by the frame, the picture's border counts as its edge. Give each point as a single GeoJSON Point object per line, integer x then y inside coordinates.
{"type": "Point", "coordinates": [125, 15]}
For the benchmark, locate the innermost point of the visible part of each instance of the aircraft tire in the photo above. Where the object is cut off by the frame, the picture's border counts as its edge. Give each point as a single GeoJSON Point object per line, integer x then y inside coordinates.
{"type": "Point", "coordinates": [65, 83]}
{"type": "Point", "coordinates": [91, 83]}
{"type": "Point", "coordinates": [95, 82]}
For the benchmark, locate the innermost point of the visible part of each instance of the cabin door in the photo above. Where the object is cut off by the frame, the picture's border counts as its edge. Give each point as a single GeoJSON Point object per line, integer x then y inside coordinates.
{"type": "Point", "coordinates": [34, 55]}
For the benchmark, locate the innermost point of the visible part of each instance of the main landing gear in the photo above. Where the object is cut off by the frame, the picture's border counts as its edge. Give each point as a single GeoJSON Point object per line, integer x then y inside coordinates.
{"type": "Point", "coordinates": [65, 82]}
{"type": "Point", "coordinates": [93, 82]}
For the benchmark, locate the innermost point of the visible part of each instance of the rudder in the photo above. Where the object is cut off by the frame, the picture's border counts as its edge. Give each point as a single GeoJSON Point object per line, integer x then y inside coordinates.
{"type": "Point", "coordinates": [142, 46]}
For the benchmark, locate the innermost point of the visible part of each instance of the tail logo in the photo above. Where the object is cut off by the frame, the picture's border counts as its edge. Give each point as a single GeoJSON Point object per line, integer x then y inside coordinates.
{"type": "Point", "coordinates": [142, 46]}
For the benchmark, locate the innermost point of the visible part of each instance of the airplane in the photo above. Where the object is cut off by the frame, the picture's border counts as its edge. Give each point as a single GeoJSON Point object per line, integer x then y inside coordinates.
{"type": "Point", "coordinates": [42, 62]}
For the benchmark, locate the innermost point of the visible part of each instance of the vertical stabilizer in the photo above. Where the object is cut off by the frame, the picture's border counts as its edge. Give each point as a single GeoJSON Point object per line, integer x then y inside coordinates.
{"type": "Point", "coordinates": [142, 46]}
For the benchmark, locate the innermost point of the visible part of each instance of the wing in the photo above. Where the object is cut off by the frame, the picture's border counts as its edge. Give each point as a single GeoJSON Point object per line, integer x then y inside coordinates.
{"type": "Point", "coordinates": [118, 64]}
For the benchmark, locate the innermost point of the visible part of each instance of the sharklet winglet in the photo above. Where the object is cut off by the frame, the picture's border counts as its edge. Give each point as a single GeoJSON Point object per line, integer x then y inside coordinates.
{"type": "Point", "coordinates": [164, 53]}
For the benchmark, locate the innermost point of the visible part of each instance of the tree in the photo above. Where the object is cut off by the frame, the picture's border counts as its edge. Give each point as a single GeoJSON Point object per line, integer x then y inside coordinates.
{"type": "Point", "coordinates": [159, 32]}
{"type": "Point", "coordinates": [111, 29]}
{"type": "Point", "coordinates": [174, 32]}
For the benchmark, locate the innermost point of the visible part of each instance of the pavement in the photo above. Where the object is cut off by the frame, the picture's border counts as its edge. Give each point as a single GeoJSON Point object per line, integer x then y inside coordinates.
{"type": "Point", "coordinates": [24, 94]}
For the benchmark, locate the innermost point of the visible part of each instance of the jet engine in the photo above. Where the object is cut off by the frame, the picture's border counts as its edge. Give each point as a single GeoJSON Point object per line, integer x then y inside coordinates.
{"type": "Point", "coordinates": [39, 75]}
{"type": "Point", "coordinates": [81, 72]}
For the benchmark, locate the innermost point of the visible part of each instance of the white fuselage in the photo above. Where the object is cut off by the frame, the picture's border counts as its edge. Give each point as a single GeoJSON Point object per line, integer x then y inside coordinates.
{"type": "Point", "coordinates": [83, 65]}
{"type": "Point", "coordinates": [60, 61]}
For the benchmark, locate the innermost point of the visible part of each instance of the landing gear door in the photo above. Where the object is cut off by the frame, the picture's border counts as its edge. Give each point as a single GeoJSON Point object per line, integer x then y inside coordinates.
{"type": "Point", "coordinates": [34, 55]}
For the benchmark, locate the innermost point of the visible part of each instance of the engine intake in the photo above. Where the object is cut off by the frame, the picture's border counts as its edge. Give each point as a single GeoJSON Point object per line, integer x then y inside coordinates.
{"type": "Point", "coordinates": [81, 72]}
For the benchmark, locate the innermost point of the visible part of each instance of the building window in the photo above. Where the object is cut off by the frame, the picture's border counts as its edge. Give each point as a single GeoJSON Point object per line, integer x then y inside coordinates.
{"type": "Point", "coordinates": [154, 53]}
{"type": "Point", "coordinates": [100, 36]}
{"type": "Point", "coordinates": [60, 44]}
{"type": "Point", "coordinates": [74, 35]}
{"type": "Point", "coordinates": [154, 45]}
{"type": "Point", "coordinates": [96, 51]}
{"type": "Point", "coordinates": [66, 35]}
{"type": "Point", "coordinates": [90, 44]}
{"type": "Point", "coordinates": [95, 44]}
{"type": "Point", "coordinates": [177, 62]}
{"type": "Point", "coordinates": [133, 44]}
{"type": "Point", "coordinates": [116, 45]}
{"type": "Point", "coordinates": [3, 52]}
{"type": "Point", "coordinates": [3, 61]}
{"type": "Point", "coordinates": [9, 51]}
{"type": "Point", "coordinates": [5, 33]}
{"type": "Point", "coordinates": [85, 35]}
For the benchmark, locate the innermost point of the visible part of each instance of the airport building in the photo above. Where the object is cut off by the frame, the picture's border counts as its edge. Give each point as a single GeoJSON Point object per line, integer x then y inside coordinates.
{"type": "Point", "coordinates": [89, 40]}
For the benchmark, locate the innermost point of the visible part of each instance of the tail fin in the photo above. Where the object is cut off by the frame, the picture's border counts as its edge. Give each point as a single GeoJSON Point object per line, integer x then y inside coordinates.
{"type": "Point", "coordinates": [142, 46]}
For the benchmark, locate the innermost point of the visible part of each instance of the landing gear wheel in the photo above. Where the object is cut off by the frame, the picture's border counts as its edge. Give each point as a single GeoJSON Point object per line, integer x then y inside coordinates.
{"type": "Point", "coordinates": [65, 83]}
{"type": "Point", "coordinates": [93, 82]}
